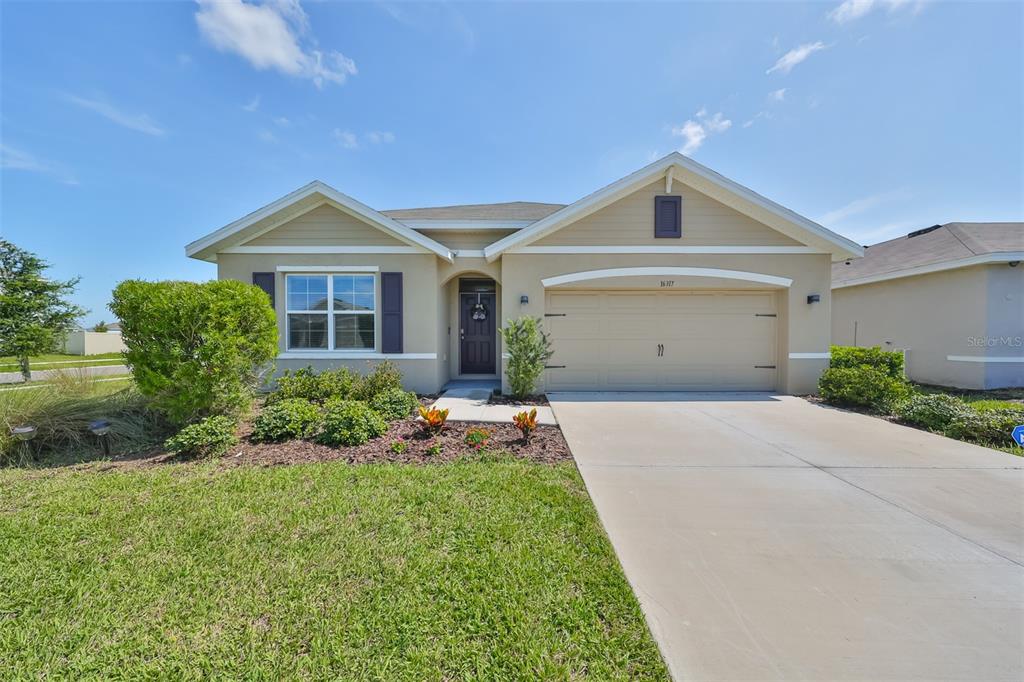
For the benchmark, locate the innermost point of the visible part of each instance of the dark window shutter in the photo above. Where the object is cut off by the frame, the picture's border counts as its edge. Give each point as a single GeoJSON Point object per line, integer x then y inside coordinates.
{"type": "Point", "coordinates": [265, 281]}
{"type": "Point", "coordinates": [668, 216]}
{"type": "Point", "coordinates": [391, 312]}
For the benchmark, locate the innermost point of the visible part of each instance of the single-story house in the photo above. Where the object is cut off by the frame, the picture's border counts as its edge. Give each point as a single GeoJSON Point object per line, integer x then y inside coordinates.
{"type": "Point", "coordinates": [951, 296]}
{"type": "Point", "coordinates": [671, 278]}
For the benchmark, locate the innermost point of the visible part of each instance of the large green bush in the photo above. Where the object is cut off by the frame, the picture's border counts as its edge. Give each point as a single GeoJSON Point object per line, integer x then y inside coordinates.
{"type": "Point", "coordinates": [529, 350]}
{"type": "Point", "coordinates": [350, 422]}
{"type": "Point", "coordinates": [196, 349]}
{"type": "Point", "coordinates": [934, 411]}
{"type": "Point", "coordinates": [863, 386]}
{"type": "Point", "coordinates": [286, 420]}
{"type": "Point", "coordinates": [209, 437]}
{"type": "Point", "coordinates": [849, 357]}
{"type": "Point", "coordinates": [315, 387]}
{"type": "Point", "coordinates": [394, 403]}
{"type": "Point", "coordinates": [989, 427]}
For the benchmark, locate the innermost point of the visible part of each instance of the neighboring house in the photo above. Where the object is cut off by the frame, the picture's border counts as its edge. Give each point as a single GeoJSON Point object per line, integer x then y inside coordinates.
{"type": "Point", "coordinates": [673, 277]}
{"type": "Point", "coordinates": [82, 342]}
{"type": "Point", "coordinates": [951, 296]}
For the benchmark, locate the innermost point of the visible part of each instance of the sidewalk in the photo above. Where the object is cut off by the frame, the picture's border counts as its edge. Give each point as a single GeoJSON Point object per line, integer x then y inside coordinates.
{"type": "Point", "coordinates": [45, 374]}
{"type": "Point", "coordinates": [470, 405]}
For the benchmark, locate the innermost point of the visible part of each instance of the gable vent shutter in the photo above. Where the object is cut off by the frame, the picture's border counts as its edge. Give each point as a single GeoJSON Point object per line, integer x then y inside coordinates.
{"type": "Point", "coordinates": [265, 281]}
{"type": "Point", "coordinates": [668, 216]}
{"type": "Point", "coordinates": [391, 312]}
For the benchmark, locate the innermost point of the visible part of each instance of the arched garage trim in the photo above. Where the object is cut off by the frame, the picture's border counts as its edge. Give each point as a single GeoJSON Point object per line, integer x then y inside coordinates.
{"type": "Point", "coordinates": [664, 271]}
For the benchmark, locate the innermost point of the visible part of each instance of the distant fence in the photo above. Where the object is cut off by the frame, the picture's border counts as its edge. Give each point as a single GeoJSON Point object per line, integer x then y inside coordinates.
{"type": "Point", "coordinates": [93, 343]}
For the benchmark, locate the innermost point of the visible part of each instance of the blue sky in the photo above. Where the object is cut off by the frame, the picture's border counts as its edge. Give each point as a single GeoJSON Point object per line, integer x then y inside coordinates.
{"type": "Point", "coordinates": [130, 129]}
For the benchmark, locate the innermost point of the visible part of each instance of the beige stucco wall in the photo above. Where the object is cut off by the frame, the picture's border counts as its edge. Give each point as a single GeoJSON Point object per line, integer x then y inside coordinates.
{"type": "Point", "coordinates": [803, 328]}
{"type": "Point", "coordinates": [465, 239]}
{"type": "Point", "coordinates": [325, 226]}
{"type": "Point", "coordinates": [937, 315]}
{"type": "Point", "coordinates": [630, 220]}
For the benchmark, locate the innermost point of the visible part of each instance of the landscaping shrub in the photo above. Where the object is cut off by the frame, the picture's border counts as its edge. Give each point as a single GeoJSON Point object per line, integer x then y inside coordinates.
{"type": "Point", "coordinates": [384, 376]}
{"type": "Point", "coordinates": [477, 438]}
{"type": "Point", "coordinates": [433, 419]}
{"type": "Point", "coordinates": [286, 420]}
{"type": "Point", "coordinates": [983, 405]}
{"type": "Point", "coordinates": [851, 357]}
{"type": "Point", "coordinates": [526, 422]}
{"type": "Point", "coordinates": [398, 446]}
{"type": "Point", "coordinates": [62, 412]}
{"type": "Point", "coordinates": [394, 403]}
{"type": "Point", "coordinates": [989, 427]}
{"type": "Point", "coordinates": [350, 422]}
{"type": "Point", "coordinates": [529, 349]}
{"type": "Point", "coordinates": [210, 437]}
{"type": "Point", "coordinates": [862, 386]}
{"type": "Point", "coordinates": [932, 411]}
{"type": "Point", "coordinates": [196, 349]}
{"type": "Point", "coordinates": [305, 384]}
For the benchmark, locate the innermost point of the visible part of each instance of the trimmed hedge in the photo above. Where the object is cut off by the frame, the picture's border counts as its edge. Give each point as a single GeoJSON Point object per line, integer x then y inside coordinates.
{"type": "Point", "coordinates": [935, 411]}
{"type": "Point", "coordinates": [851, 357]}
{"type": "Point", "coordinates": [210, 437]}
{"type": "Point", "coordinates": [350, 422]}
{"type": "Point", "coordinates": [305, 384]}
{"type": "Point", "coordinates": [989, 427]}
{"type": "Point", "coordinates": [286, 420]}
{"type": "Point", "coordinates": [863, 386]}
{"type": "Point", "coordinates": [394, 403]}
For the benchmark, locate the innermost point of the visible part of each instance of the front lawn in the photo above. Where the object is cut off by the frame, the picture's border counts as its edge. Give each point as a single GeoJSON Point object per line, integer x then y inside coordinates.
{"type": "Point", "coordinates": [485, 568]}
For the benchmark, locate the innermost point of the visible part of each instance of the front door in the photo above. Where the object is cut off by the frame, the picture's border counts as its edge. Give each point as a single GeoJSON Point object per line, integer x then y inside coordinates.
{"type": "Point", "coordinates": [477, 333]}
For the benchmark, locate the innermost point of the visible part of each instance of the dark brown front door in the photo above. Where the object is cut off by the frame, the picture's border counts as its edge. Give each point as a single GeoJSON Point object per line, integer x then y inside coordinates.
{"type": "Point", "coordinates": [476, 333]}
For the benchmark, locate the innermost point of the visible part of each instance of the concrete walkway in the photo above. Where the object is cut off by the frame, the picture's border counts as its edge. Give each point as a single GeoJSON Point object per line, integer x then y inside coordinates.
{"type": "Point", "coordinates": [47, 374]}
{"type": "Point", "coordinates": [770, 538]}
{"type": "Point", "coordinates": [470, 405]}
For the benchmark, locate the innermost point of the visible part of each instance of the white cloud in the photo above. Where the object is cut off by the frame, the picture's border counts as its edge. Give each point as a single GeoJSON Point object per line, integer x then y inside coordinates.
{"type": "Point", "coordinates": [778, 95]}
{"type": "Point", "coordinates": [266, 136]}
{"type": "Point", "coordinates": [862, 205]}
{"type": "Point", "coordinates": [851, 10]}
{"type": "Point", "coordinates": [345, 138]}
{"type": "Point", "coordinates": [694, 132]}
{"type": "Point", "coordinates": [184, 59]}
{"type": "Point", "coordinates": [17, 159]}
{"type": "Point", "coordinates": [787, 61]}
{"type": "Point", "coordinates": [272, 35]}
{"type": "Point", "coordinates": [380, 137]}
{"type": "Point", "coordinates": [141, 123]}
{"type": "Point", "coordinates": [253, 104]}
{"type": "Point", "coordinates": [282, 121]}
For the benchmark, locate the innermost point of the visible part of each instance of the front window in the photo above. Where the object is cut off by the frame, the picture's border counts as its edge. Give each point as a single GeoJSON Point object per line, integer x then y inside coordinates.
{"type": "Point", "coordinates": [331, 312]}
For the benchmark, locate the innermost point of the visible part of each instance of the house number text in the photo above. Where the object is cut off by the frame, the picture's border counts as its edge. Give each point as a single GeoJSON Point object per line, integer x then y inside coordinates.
{"type": "Point", "coordinates": [668, 282]}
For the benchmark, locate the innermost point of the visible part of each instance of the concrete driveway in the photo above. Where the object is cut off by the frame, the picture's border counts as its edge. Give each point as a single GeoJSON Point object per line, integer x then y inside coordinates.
{"type": "Point", "coordinates": [770, 538]}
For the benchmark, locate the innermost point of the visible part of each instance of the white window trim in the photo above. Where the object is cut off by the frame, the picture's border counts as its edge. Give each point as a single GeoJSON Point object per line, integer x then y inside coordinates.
{"type": "Point", "coordinates": [329, 273]}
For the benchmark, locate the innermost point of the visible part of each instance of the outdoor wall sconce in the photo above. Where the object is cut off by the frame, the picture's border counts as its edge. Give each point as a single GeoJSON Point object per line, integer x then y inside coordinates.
{"type": "Point", "coordinates": [813, 298]}
{"type": "Point", "coordinates": [524, 299]}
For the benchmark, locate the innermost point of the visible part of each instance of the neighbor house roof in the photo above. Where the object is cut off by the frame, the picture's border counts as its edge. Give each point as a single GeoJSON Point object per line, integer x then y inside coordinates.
{"type": "Point", "coordinates": [675, 166]}
{"type": "Point", "coordinates": [940, 247]}
{"type": "Point", "coordinates": [511, 210]}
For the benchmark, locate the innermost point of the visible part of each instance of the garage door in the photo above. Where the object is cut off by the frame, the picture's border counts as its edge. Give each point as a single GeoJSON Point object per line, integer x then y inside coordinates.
{"type": "Point", "coordinates": [677, 340]}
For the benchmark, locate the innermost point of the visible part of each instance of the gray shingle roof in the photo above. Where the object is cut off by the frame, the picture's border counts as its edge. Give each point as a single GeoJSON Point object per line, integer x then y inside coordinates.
{"type": "Point", "coordinates": [950, 242]}
{"type": "Point", "coordinates": [512, 210]}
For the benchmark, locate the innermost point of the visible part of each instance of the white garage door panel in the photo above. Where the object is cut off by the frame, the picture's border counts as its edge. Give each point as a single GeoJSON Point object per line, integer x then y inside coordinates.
{"type": "Point", "coordinates": [712, 340]}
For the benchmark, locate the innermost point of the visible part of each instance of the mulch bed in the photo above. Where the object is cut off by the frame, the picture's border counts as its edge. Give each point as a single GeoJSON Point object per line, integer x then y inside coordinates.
{"type": "Point", "coordinates": [547, 445]}
{"type": "Point", "coordinates": [498, 399]}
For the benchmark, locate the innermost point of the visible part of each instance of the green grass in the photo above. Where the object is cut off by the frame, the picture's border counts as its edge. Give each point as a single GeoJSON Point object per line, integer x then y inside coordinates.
{"type": "Point", "coordinates": [494, 570]}
{"type": "Point", "coordinates": [62, 361]}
